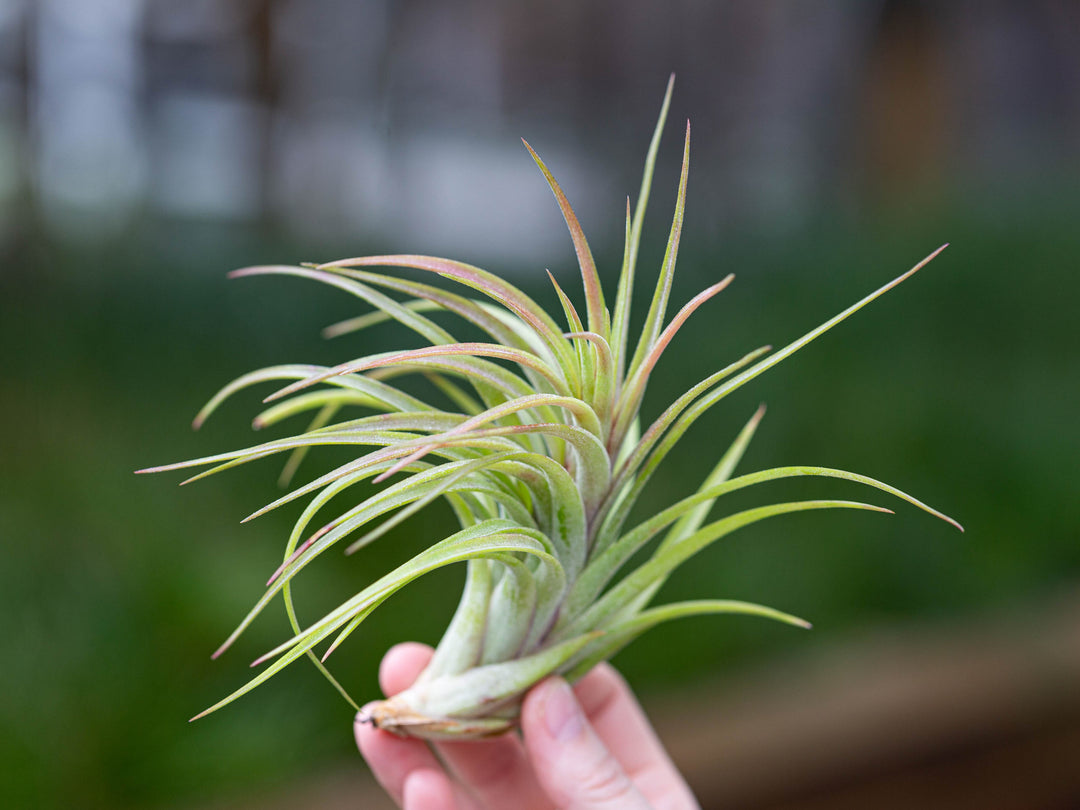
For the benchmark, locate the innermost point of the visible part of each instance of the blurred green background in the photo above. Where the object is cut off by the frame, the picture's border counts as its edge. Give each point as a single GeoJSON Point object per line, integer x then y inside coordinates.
{"type": "Point", "coordinates": [117, 324]}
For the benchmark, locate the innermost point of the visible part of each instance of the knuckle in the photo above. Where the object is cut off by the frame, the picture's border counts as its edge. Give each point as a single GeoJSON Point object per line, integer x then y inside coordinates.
{"type": "Point", "coordinates": [606, 783]}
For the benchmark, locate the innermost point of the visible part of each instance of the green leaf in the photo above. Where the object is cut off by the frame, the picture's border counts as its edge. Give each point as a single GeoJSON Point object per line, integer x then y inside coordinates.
{"type": "Point", "coordinates": [512, 609]}
{"type": "Point", "coordinates": [585, 366]}
{"type": "Point", "coordinates": [361, 322]}
{"type": "Point", "coordinates": [424, 327]}
{"type": "Point", "coordinates": [594, 295]}
{"type": "Point", "coordinates": [622, 633]}
{"type": "Point", "coordinates": [584, 414]}
{"type": "Point", "coordinates": [654, 321]}
{"type": "Point", "coordinates": [721, 391]}
{"type": "Point", "coordinates": [664, 561]}
{"type": "Point", "coordinates": [455, 394]}
{"type": "Point", "coordinates": [624, 295]}
{"type": "Point", "coordinates": [471, 311]}
{"type": "Point", "coordinates": [478, 542]}
{"type": "Point", "coordinates": [322, 418]}
{"type": "Point", "coordinates": [463, 642]}
{"type": "Point", "coordinates": [602, 389]}
{"type": "Point", "coordinates": [489, 284]}
{"type": "Point", "coordinates": [600, 570]}
{"type": "Point", "coordinates": [309, 401]}
{"type": "Point", "coordinates": [444, 357]}
{"type": "Point", "coordinates": [386, 396]}
{"type": "Point", "coordinates": [297, 556]}
{"type": "Point", "coordinates": [475, 312]}
{"type": "Point", "coordinates": [483, 688]}
{"type": "Point", "coordinates": [634, 390]}
{"type": "Point", "coordinates": [624, 490]}
{"type": "Point", "coordinates": [691, 521]}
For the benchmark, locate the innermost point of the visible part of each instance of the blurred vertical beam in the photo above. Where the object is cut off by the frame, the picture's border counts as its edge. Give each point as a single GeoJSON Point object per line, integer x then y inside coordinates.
{"type": "Point", "coordinates": [15, 33]}
{"type": "Point", "coordinates": [904, 107]}
{"type": "Point", "coordinates": [265, 89]}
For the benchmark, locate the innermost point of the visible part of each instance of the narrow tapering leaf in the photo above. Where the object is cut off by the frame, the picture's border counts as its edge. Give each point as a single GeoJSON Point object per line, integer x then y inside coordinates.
{"type": "Point", "coordinates": [489, 284]}
{"type": "Point", "coordinates": [476, 543]}
{"type": "Point", "coordinates": [621, 321]}
{"type": "Point", "coordinates": [594, 296]}
{"type": "Point", "coordinates": [622, 633]}
{"type": "Point", "coordinates": [601, 613]}
{"type": "Point", "coordinates": [654, 320]}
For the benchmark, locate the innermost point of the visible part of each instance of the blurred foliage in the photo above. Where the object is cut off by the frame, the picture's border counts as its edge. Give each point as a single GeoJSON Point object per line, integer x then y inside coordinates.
{"type": "Point", "coordinates": [961, 387]}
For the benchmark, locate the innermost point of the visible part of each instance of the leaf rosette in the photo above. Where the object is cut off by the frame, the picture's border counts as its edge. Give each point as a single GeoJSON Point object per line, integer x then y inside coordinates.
{"type": "Point", "coordinates": [541, 452]}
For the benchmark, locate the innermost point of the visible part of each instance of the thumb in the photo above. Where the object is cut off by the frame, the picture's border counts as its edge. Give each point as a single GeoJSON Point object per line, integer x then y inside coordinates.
{"type": "Point", "coordinates": [571, 762]}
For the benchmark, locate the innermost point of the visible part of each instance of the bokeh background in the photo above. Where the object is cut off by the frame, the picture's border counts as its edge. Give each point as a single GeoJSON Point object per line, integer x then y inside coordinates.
{"type": "Point", "coordinates": [147, 147]}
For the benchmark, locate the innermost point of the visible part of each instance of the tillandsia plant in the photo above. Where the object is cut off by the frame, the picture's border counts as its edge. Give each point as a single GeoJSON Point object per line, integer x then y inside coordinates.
{"type": "Point", "coordinates": [536, 442]}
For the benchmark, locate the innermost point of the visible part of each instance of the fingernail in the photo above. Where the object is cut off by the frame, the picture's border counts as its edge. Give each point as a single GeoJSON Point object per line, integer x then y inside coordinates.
{"type": "Point", "coordinates": [562, 715]}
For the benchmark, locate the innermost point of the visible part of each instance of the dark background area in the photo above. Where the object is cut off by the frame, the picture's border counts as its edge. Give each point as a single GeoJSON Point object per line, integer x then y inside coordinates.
{"type": "Point", "coordinates": [146, 148]}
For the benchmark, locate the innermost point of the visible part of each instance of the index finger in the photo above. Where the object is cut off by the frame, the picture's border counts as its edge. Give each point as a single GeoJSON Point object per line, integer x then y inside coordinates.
{"type": "Point", "coordinates": [620, 722]}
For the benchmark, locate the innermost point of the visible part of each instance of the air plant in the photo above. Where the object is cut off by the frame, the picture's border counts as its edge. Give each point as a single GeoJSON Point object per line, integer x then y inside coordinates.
{"type": "Point", "coordinates": [537, 444]}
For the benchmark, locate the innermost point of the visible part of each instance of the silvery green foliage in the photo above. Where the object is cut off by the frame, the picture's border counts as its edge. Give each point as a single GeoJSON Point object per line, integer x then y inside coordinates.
{"type": "Point", "coordinates": [541, 456]}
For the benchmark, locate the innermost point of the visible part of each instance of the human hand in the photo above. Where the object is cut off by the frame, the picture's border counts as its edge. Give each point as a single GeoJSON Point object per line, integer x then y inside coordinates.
{"type": "Point", "coordinates": [586, 748]}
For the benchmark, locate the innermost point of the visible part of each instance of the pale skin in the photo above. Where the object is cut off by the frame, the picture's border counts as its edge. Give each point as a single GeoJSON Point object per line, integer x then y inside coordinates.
{"type": "Point", "coordinates": [586, 748]}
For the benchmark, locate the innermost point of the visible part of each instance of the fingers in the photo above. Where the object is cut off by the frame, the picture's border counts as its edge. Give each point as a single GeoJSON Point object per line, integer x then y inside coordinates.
{"type": "Point", "coordinates": [406, 769]}
{"type": "Point", "coordinates": [495, 772]}
{"type": "Point", "coordinates": [572, 763]}
{"type": "Point", "coordinates": [399, 763]}
{"type": "Point", "coordinates": [591, 748]}
{"type": "Point", "coordinates": [619, 721]}
{"type": "Point", "coordinates": [401, 665]}
{"type": "Point", "coordinates": [428, 790]}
